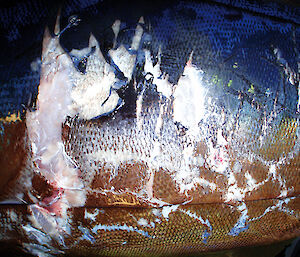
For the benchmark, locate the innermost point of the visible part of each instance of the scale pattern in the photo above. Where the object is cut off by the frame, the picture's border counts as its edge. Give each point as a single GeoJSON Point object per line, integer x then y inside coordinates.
{"type": "Point", "coordinates": [194, 147]}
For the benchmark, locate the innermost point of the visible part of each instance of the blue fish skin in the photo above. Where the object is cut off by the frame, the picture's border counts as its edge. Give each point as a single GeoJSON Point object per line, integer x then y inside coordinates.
{"type": "Point", "coordinates": [160, 128]}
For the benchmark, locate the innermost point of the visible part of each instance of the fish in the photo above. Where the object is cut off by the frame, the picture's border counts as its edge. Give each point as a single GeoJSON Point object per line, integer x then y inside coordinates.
{"type": "Point", "coordinates": [156, 146]}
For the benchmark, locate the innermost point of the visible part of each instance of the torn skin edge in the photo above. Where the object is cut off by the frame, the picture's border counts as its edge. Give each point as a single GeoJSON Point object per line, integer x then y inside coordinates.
{"type": "Point", "coordinates": [45, 135]}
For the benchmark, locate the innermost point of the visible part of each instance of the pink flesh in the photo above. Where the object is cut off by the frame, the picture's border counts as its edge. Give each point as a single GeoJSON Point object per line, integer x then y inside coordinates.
{"type": "Point", "coordinates": [45, 129]}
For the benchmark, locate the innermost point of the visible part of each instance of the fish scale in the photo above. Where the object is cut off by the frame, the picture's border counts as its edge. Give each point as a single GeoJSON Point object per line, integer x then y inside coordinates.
{"type": "Point", "coordinates": [159, 241]}
{"type": "Point", "coordinates": [153, 170]}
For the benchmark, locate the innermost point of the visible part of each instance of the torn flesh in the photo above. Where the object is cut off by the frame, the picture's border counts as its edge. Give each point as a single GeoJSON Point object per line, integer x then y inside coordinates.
{"type": "Point", "coordinates": [44, 127]}
{"type": "Point", "coordinates": [93, 93]}
{"type": "Point", "coordinates": [63, 92]}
